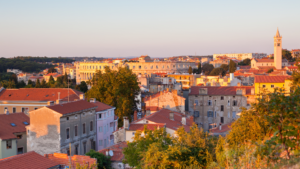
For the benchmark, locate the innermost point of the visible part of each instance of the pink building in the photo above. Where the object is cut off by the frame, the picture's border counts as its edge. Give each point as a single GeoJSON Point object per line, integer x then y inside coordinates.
{"type": "Point", "coordinates": [107, 123]}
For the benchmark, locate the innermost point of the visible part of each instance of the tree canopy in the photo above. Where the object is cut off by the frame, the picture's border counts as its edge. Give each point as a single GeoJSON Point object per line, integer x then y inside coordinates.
{"type": "Point", "coordinates": [117, 88]}
{"type": "Point", "coordinates": [103, 161]}
{"type": "Point", "coordinates": [217, 71]}
{"type": "Point", "coordinates": [207, 68]}
{"type": "Point", "coordinates": [232, 66]}
{"type": "Point", "coordinates": [245, 62]}
{"type": "Point", "coordinates": [190, 70]}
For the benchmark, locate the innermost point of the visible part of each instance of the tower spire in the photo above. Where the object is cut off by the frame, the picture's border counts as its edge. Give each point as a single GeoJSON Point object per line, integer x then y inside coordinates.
{"type": "Point", "coordinates": [277, 33]}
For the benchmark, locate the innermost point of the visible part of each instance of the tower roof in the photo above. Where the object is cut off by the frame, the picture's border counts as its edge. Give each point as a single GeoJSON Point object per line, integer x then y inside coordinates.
{"type": "Point", "coordinates": [277, 33]}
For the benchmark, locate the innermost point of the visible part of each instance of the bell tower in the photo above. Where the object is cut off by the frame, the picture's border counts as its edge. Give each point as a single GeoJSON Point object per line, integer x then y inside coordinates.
{"type": "Point", "coordinates": [277, 51]}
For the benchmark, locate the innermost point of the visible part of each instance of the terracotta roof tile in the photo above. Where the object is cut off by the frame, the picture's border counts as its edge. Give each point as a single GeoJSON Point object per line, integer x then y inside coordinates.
{"type": "Point", "coordinates": [264, 60]}
{"type": "Point", "coordinates": [27, 160]}
{"type": "Point", "coordinates": [7, 130]}
{"type": "Point", "coordinates": [270, 79]}
{"type": "Point", "coordinates": [71, 107]}
{"type": "Point", "coordinates": [101, 106]}
{"type": "Point", "coordinates": [137, 126]}
{"type": "Point", "coordinates": [225, 128]}
{"type": "Point", "coordinates": [220, 90]}
{"type": "Point", "coordinates": [38, 94]}
{"type": "Point", "coordinates": [117, 150]}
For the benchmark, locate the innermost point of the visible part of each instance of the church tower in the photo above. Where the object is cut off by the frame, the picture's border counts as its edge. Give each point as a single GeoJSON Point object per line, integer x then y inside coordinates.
{"type": "Point", "coordinates": [277, 51]}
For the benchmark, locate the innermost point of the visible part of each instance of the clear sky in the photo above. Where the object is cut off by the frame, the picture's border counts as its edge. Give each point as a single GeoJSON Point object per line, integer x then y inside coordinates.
{"type": "Point", "coordinates": [159, 28]}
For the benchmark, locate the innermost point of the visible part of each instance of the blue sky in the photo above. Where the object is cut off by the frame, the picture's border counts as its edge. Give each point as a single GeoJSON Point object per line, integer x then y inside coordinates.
{"type": "Point", "coordinates": [159, 28]}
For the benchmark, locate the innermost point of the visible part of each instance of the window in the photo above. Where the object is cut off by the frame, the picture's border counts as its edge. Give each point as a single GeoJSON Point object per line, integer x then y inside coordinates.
{"type": "Point", "coordinates": [222, 97]}
{"type": "Point", "coordinates": [76, 149]}
{"type": "Point", "coordinates": [100, 116]}
{"type": "Point", "coordinates": [100, 129]}
{"type": "Point", "coordinates": [104, 129]}
{"type": "Point", "coordinates": [5, 109]}
{"type": "Point", "coordinates": [209, 102]}
{"type": "Point", "coordinates": [100, 142]}
{"type": "Point", "coordinates": [196, 102]}
{"type": "Point", "coordinates": [91, 126]}
{"type": "Point", "coordinates": [24, 109]}
{"type": "Point", "coordinates": [264, 86]}
{"type": "Point", "coordinates": [133, 67]}
{"type": "Point", "coordinates": [67, 118]}
{"type": "Point", "coordinates": [222, 108]}
{"type": "Point", "coordinates": [234, 103]}
{"type": "Point", "coordinates": [68, 133]}
{"type": "Point", "coordinates": [75, 116]}
{"type": "Point", "coordinates": [13, 124]}
{"type": "Point", "coordinates": [196, 114]}
{"type": "Point", "coordinates": [210, 114]}
{"type": "Point", "coordinates": [156, 66]}
{"type": "Point", "coordinates": [19, 136]}
{"type": "Point", "coordinates": [35, 108]}
{"type": "Point", "coordinates": [215, 114]}
{"type": "Point", "coordinates": [76, 131]}
{"type": "Point", "coordinates": [140, 67]}
{"type": "Point", "coordinates": [272, 86]}
{"type": "Point", "coordinates": [84, 147]}
{"type": "Point", "coordinates": [8, 144]}
{"type": "Point", "coordinates": [68, 151]}
{"type": "Point", "coordinates": [83, 128]}
{"type": "Point", "coordinates": [222, 120]}
{"type": "Point", "coordinates": [133, 133]}
{"type": "Point", "coordinates": [25, 123]}
{"type": "Point", "coordinates": [14, 110]}
{"type": "Point", "coordinates": [234, 114]}
{"type": "Point", "coordinates": [20, 150]}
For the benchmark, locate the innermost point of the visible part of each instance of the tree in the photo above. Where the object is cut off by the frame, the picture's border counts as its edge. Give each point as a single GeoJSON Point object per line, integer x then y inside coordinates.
{"type": "Point", "coordinates": [117, 88]}
{"type": "Point", "coordinates": [296, 76]}
{"type": "Point", "coordinates": [102, 160]}
{"type": "Point", "coordinates": [270, 70]}
{"type": "Point", "coordinates": [190, 70]}
{"type": "Point", "coordinates": [217, 71]}
{"type": "Point", "coordinates": [207, 68]}
{"type": "Point", "coordinates": [37, 83]}
{"type": "Point", "coordinates": [44, 84]}
{"type": "Point", "coordinates": [8, 84]}
{"type": "Point", "coordinates": [232, 66]}
{"type": "Point", "coordinates": [14, 78]}
{"type": "Point", "coordinates": [83, 87]}
{"type": "Point", "coordinates": [157, 149]}
{"type": "Point", "coordinates": [224, 67]}
{"type": "Point", "coordinates": [286, 54]}
{"type": "Point", "coordinates": [65, 78]}
{"type": "Point", "coordinates": [245, 62]}
{"type": "Point", "coordinates": [199, 68]}
{"type": "Point", "coordinates": [51, 80]}
{"type": "Point", "coordinates": [21, 84]}
{"type": "Point", "coordinates": [59, 80]}
{"type": "Point", "coordinates": [52, 70]}
{"type": "Point", "coordinates": [30, 82]}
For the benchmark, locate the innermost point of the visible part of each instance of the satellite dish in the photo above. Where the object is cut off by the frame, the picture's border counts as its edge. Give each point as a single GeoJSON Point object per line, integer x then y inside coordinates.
{"type": "Point", "coordinates": [111, 153]}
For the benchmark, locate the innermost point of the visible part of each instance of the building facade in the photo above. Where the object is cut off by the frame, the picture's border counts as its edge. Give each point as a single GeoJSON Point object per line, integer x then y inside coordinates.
{"type": "Point", "coordinates": [187, 80]}
{"type": "Point", "coordinates": [270, 83]}
{"type": "Point", "coordinates": [144, 66]}
{"type": "Point", "coordinates": [213, 106]}
{"type": "Point", "coordinates": [63, 128]}
{"type": "Point", "coordinates": [241, 56]}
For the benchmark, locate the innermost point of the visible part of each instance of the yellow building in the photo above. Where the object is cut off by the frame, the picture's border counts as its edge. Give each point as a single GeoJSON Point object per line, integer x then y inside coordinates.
{"type": "Point", "coordinates": [269, 83]}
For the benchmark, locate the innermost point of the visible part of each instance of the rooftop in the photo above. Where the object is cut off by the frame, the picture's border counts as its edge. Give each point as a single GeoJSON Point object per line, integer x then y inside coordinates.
{"type": "Point", "coordinates": [220, 90]}
{"type": "Point", "coordinates": [117, 151]}
{"type": "Point", "coordinates": [27, 160]}
{"type": "Point", "coordinates": [63, 159]}
{"type": "Point", "coordinates": [71, 107]}
{"type": "Point", "coordinates": [12, 123]}
{"type": "Point", "coordinates": [270, 79]}
{"type": "Point", "coordinates": [101, 106]}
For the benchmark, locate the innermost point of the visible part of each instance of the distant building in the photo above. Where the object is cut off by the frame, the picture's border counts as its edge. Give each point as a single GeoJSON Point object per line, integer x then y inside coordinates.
{"type": "Point", "coordinates": [13, 134]}
{"type": "Point", "coordinates": [15, 71]}
{"type": "Point", "coordinates": [58, 127]}
{"type": "Point", "coordinates": [241, 56]}
{"type": "Point", "coordinates": [187, 80]}
{"type": "Point", "coordinates": [295, 53]}
{"type": "Point", "coordinates": [28, 99]}
{"type": "Point", "coordinates": [269, 83]}
{"type": "Point", "coordinates": [218, 81]}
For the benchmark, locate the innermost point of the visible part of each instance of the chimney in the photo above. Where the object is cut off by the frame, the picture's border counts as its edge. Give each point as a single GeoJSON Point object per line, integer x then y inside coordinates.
{"type": "Point", "coordinates": [92, 100]}
{"type": "Point", "coordinates": [50, 103]}
{"type": "Point", "coordinates": [171, 115]}
{"type": "Point", "coordinates": [183, 120]}
{"type": "Point", "coordinates": [252, 91]}
{"type": "Point", "coordinates": [81, 96]}
{"type": "Point", "coordinates": [58, 101]}
{"type": "Point", "coordinates": [135, 116]}
{"type": "Point", "coordinates": [126, 123]}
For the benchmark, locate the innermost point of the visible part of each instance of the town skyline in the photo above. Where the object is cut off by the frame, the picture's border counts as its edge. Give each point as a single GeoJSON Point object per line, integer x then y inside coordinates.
{"type": "Point", "coordinates": [158, 29]}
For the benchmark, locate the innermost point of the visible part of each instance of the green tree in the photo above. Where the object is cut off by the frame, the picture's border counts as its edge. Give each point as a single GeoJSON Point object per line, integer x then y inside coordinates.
{"type": "Point", "coordinates": [65, 78]}
{"type": "Point", "coordinates": [21, 84]}
{"type": "Point", "coordinates": [30, 82]}
{"type": "Point", "coordinates": [37, 83]}
{"type": "Point", "coordinates": [51, 80]}
{"type": "Point", "coordinates": [102, 160]}
{"type": "Point", "coordinates": [217, 71]}
{"type": "Point", "coordinates": [190, 70]}
{"type": "Point", "coordinates": [82, 87]}
{"type": "Point", "coordinates": [270, 71]}
{"type": "Point", "coordinates": [224, 67]}
{"type": "Point", "coordinates": [8, 84]}
{"type": "Point", "coordinates": [117, 88]}
{"type": "Point", "coordinates": [52, 70]}
{"type": "Point", "coordinates": [232, 66]}
{"type": "Point", "coordinates": [286, 54]}
{"type": "Point", "coordinates": [59, 80]}
{"type": "Point", "coordinates": [207, 68]}
{"type": "Point", "coordinates": [14, 78]}
{"type": "Point", "coordinates": [199, 68]}
{"type": "Point", "coordinates": [245, 62]}
{"type": "Point", "coordinates": [44, 84]}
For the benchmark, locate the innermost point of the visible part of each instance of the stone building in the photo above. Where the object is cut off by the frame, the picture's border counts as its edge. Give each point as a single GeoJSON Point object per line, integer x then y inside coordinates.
{"type": "Point", "coordinates": [58, 127]}
{"type": "Point", "coordinates": [166, 99]}
{"type": "Point", "coordinates": [213, 105]}
{"type": "Point", "coordinates": [187, 80]}
{"type": "Point", "coordinates": [242, 56]}
{"type": "Point", "coordinates": [144, 66]}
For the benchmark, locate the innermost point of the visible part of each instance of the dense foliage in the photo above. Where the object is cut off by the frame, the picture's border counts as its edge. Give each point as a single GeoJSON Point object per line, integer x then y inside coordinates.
{"type": "Point", "coordinates": [103, 161]}
{"type": "Point", "coordinates": [207, 68]}
{"type": "Point", "coordinates": [157, 149]}
{"type": "Point", "coordinates": [118, 88]}
{"type": "Point", "coordinates": [245, 62]}
{"type": "Point", "coordinates": [232, 66]}
{"type": "Point", "coordinates": [218, 71]}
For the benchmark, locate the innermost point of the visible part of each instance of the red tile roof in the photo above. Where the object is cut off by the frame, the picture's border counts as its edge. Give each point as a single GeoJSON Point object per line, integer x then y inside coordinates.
{"type": "Point", "coordinates": [163, 117]}
{"type": "Point", "coordinates": [71, 107]}
{"type": "Point", "coordinates": [225, 128]}
{"type": "Point", "coordinates": [245, 67]}
{"type": "Point", "coordinates": [7, 130]}
{"type": "Point", "coordinates": [220, 90]}
{"type": "Point", "coordinates": [38, 94]}
{"type": "Point", "coordinates": [101, 106]}
{"type": "Point", "coordinates": [137, 126]}
{"type": "Point", "coordinates": [264, 60]}
{"type": "Point", "coordinates": [270, 79]}
{"type": "Point", "coordinates": [117, 151]}
{"type": "Point", "coordinates": [63, 159]}
{"type": "Point", "coordinates": [27, 160]}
